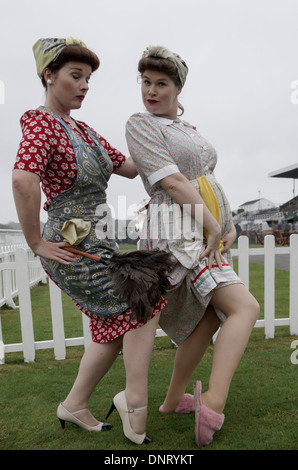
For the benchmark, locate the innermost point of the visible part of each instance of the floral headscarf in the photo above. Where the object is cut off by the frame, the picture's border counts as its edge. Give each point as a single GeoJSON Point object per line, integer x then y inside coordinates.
{"type": "Point", "coordinates": [48, 49]}
{"type": "Point", "coordinates": [163, 52]}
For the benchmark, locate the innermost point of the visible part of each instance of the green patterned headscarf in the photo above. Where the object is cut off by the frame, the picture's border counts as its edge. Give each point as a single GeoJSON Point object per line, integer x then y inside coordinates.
{"type": "Point", "coordinates": [163, 52]}
{"type": "Point", "coordinates": [48, 49]}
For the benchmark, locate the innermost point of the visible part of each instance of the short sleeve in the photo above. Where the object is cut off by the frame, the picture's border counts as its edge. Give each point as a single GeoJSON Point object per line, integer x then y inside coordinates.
{"type": "Point", "coordinates": [116, 157]}
{"type": "Point", "coordinates": [34, 149]}
{"type": "Point", "coordinates": [146, 145]}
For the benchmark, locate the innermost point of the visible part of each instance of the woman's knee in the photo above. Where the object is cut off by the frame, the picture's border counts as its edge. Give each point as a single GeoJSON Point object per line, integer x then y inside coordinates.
{"type": "Point", "coordinates": [251, 306]}
{"type": "Point", "coordinates": [255, 308]}
{"type": "Point", "coordinates": [236, 299]}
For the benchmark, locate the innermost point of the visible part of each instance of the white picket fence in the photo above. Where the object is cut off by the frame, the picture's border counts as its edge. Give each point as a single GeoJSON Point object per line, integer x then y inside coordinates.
{"type": "Point", "coordinates": [8, 282]}
{"type": "Point", "coordinates": [23, 270]}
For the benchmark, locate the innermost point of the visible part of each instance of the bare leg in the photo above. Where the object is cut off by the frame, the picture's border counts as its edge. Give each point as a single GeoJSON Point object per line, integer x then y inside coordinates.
{"type": "Point", "coordinates": [95, 362]}
{"type": "Point", "coordinates": [187, 357]}
{"type": "Point", "coordinates": [242, 311]}
{"type": "Point", "coordinates": [137, 349]}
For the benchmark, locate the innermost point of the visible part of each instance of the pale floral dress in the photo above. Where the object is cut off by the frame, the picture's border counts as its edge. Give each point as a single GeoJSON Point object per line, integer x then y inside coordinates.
{"type": "Point", "coordinates": [161, 147]}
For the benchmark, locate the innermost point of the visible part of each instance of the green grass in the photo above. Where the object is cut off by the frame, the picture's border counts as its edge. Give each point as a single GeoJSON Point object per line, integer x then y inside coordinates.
{"type": "Point", "coordinates": [261, 412]}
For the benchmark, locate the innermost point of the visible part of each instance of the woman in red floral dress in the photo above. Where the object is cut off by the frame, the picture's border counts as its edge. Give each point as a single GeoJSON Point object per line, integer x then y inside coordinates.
{"type": "Point", "coordinates": [73, 164]}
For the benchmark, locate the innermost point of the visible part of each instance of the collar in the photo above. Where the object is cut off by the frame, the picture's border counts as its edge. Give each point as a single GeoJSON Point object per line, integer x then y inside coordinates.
{"type": "Point", "coordinates": [162, 120]}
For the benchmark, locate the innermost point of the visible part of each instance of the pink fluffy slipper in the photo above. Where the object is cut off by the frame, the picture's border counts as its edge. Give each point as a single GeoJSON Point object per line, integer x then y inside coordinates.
{"type": "Point", "coordinates": [207, 421]}
{"type": "Point", "coordinates": [185, 406]}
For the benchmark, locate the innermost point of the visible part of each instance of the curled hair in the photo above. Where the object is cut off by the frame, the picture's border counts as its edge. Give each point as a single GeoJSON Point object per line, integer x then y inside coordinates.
{"type": "Point", "coordinates": [75, 53]}
{"type": "Point", "coordinates": [159, 64]}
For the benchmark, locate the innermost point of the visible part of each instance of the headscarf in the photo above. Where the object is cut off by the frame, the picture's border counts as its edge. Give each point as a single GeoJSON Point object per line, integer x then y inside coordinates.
{"type": "Point", "coordinates": [163, 52]}
{"type": "Point", "coordinates": [48, 49]}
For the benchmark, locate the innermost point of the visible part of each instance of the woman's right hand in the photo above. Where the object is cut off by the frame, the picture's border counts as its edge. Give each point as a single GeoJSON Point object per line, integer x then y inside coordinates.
{"type": "Point", "coordinates": [54, 251]}
{"type": "Point", "coordinates": [212, 251]}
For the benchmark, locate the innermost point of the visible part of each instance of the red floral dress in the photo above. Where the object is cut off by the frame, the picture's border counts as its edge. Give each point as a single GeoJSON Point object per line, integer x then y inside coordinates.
{"type": "Point", "coordinates": [45, 150]}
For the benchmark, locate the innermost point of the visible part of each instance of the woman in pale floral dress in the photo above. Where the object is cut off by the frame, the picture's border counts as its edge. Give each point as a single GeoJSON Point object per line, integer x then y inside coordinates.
{"type": "Point", "coordinates": [170, 155]}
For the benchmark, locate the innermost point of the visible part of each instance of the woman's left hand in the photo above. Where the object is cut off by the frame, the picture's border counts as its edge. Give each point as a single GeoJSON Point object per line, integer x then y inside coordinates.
{"type": "Point", "coordinates": [229, 239]}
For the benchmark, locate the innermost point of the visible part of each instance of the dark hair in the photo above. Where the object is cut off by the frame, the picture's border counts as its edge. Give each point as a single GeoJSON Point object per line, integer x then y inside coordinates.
{"type": "Point", "coordinates": [159, 64]}
{"type": "Point", "coordinates": [74, 53]}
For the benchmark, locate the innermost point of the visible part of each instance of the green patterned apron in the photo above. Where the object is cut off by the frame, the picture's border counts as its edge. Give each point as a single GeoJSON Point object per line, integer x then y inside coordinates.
{"type": "Point", "coordinates": [85, 281]}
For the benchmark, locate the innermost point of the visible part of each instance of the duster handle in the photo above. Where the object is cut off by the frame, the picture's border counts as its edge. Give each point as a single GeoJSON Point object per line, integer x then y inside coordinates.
{"type": "Point", "coordinates": [82, 253]}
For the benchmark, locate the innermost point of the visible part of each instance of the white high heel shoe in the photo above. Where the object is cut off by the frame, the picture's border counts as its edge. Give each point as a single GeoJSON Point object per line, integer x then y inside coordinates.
{"type": "Point", "coordinates": [65, 415]}
{"type": "Point", "coordinates": [120, 403]}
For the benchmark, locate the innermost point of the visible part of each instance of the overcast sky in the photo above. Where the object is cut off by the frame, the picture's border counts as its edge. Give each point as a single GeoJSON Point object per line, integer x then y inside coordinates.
{"type": "Point", "coordinates": [242, 58]}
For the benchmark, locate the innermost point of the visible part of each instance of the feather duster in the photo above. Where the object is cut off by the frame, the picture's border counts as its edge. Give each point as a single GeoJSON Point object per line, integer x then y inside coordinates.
{"type": "Point", "coordinates": [140, 277]}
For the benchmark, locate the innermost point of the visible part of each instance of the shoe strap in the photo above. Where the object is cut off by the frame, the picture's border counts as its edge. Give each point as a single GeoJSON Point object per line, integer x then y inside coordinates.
{"type": "Point", "coordinates": [79, 411]}
{"type": "Point", "coordinates": [137, 409]}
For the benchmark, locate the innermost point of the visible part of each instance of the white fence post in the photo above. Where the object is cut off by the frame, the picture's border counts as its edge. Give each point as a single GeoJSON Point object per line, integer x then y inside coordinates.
{"type": "Point", "coordinates": [243, 260]}
{"type": "Point", "coordinates": [2, 360]}
{"type": "Point", "coordinates": [294, 284]}
{"type": "Point", "coordinates": [8, 288]}
{"type": "Point", "coordinates": [57, 321]}
{"type": "Point", "coordinates": [269, 286]}
{"type": "Point", "coordinates": [22, 277]}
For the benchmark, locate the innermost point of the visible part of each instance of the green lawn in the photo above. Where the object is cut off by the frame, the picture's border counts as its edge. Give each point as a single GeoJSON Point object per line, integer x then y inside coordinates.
{"type": "Point", "coordinates": [261, 412]}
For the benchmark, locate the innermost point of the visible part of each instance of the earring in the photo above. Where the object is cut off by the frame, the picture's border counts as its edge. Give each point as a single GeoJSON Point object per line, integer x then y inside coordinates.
{"type": "Point", "coordinates": [49, 81]}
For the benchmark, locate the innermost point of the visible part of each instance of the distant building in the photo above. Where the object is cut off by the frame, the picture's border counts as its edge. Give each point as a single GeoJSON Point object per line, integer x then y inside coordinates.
{"type": "Point", "coordinates": [257, 205]}
{"type": "Point", "coordinates": [262, 214]}
{"type": "Point", "coordinates": [290, 210]}
{"type": "Point", "coordinates": [258, 214]}
{"type": "Point", "coordinates": [291, 205]}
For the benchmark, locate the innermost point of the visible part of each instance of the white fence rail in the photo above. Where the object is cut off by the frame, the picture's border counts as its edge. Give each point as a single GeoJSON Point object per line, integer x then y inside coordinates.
{"type": "Point", "coordinates": [22, 265]}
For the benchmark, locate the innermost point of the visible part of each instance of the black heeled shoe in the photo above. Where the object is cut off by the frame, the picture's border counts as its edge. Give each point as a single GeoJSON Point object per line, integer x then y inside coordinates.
{"type": "Point", "coordinates": [119, 403]}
